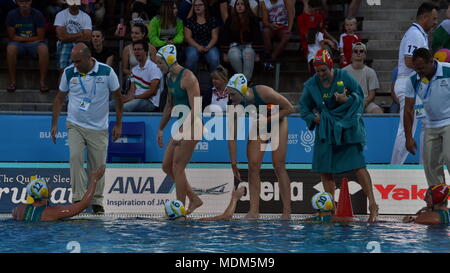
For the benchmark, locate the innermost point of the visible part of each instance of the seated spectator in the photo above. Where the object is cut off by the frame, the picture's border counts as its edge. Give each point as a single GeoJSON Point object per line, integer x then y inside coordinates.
{"type": "Point", "coordinates": [95, 9]}
{"type": "Point", "coordinates": [366, 77]}
{"type": "Point", "coordinates": [26, 33]}
{"type": "Point", "coordinates": [217, 9]}
{"type": "Point", "coordinates": [146, 9]}
{"type": "Point", "coordinates": [278, 20]}
{"type": "Point", "coordinates": [138, 32]}
{"type": "Point", "coordinates": [217, 99]}
{"type": "Point", "coordinates": [312, 17]}
{"type": "Point", "coordinates": [201, 34]}
{"type": "Point", "coordinates": [242, 39]}
{"type": "Point", "coordinates": [441, 35]}
{"type": "Point", "coordinates": [72, 26]}
{"type": "Point", "coordinates": [53, 8]}
{"type": "Point", "coordinates": [395, 106]}
{"type": "Point", "coordinates": [166, 28]}
{"type": "Point", "coordinates": [347, 40]}
{"type": "Point", "coordinates": [253, 6]}
{"type": "Point", "coordinates": [99, 51]}
{"type": "Point", "coordinates": [146, 83]}
{"type": "Point", "coordinates": [315, 43]}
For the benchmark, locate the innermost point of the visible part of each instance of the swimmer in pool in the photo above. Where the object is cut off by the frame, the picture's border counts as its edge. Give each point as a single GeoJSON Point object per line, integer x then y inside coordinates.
{"type": "Point", "coordinates": [175, 209]}
{"type": "Point", "coordinates": [36, 208]}
{"type": "Point", "coordinates": [436, 211]}
{"type": "Point", "coordinates": [323, 203]}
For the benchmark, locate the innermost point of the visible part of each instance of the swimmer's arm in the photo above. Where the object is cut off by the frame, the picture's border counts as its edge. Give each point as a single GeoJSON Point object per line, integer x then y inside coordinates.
{"type": "Point", "coordinates": [59, 212]}
{"type": "Point", "coordinates": [229, 211]}
{"type": "Point", "coordinates": [428, 218]}
{"type": "Point", "coordinates": [273, 97]}
{"type": "Point", "coordinates": [166, 113]}
{"type": "Point", "coordinates": [190, 83]}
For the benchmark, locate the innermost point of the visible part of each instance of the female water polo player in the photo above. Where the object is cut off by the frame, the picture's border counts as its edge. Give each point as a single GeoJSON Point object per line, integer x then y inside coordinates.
{"type": "Point", "coordinates": [182, 88]}
{"type": "Point", "coordinates": [261, 95]}
{"type": "Point", "coordinates": [436, 212]}
{"type": "Point", "coordinates": [37, 208]}
{"type": "Point", "coordinates": [175, 210]}
{"type": "Point", "coordinates": [324, 204]}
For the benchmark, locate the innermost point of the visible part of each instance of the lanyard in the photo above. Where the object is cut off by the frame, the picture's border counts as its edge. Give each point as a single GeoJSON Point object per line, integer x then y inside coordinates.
{"type": "Point", "coordinates": [425, 96]}
{"type": "Point", "coordinates": [94, 89]}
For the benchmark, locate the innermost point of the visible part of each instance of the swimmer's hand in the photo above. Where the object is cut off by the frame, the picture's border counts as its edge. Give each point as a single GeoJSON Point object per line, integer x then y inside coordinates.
{"type": "Point", "coordinates": [408, 219]}
{"type": "Point", "coordinates": [98, 173]}
{"type": "Point", "coordinates": [53, 132]}
{"type": "Point", "coordinates": [160, 138]}
{"type": "Point", "coordinates": [236, 172]}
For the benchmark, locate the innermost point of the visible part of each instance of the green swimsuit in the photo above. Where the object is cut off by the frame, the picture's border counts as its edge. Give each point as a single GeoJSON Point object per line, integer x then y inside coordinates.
{"type": "Point", "coordinates": [33, 214]}
{"type": "Point", "coordinates": [444, 215]}
{"type": "Point", "coordinates": [179, 95]}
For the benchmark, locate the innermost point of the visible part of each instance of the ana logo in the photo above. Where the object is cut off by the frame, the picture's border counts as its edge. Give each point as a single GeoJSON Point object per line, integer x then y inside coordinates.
{"type": "Point", "coordinates": [307, 140]}
{"type": "Point", "coordinates": [217, 190]}
{"type": "Point", "coordinates": [140, 185]}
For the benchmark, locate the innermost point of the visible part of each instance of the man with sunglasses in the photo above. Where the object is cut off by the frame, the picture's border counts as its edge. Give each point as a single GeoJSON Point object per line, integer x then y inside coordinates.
{"type": "Point", "coordinates": [366, 77]}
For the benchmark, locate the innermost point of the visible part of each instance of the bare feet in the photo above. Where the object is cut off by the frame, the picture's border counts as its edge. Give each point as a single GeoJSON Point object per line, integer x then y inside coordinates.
{"type": "Point", "coordinates": [373, 213]}
{"type": "Point", "coordinates": [194, 203]}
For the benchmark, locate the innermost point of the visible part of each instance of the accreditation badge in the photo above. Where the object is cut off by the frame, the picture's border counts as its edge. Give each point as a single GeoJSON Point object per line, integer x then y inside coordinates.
{"type": "Point", "coordinates": [419, 110]}
{"type": "Point", "coordinates": [84, 105]}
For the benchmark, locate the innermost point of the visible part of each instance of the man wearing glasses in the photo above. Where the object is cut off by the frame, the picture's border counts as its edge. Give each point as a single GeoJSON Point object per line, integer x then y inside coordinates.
{"type": "Point", "coordinates": [366, 77]}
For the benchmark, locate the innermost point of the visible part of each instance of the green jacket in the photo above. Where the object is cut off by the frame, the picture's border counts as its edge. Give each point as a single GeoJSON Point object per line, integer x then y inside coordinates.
{"type": "Point", "coordinates": [155, 29]}
{"type": "Point", "coordinates": [441, 39]}
{"type": "Point", "coordinates": [339, 123]}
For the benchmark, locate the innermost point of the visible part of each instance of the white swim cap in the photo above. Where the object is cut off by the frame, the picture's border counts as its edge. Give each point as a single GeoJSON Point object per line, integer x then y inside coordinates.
{"type": "Point", "coordinates": [239, 83]}
{"type": "Point", "coordinates": [169, 54]}
{"type": "Point", "coordinates": [322, 201]}
{"type": "Point", "coordinates": [174, 209]}
{"type": "Point", "coordinates": [36, 189]}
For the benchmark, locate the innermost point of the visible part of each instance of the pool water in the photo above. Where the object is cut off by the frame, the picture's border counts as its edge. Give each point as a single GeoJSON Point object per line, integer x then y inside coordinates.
{"type": "Point", "coordinates": [142, 235]}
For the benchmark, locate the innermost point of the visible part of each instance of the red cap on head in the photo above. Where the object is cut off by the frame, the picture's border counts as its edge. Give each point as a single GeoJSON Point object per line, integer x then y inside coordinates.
{"type": "Point", "coordinates": [440, 193]}
{"type": "Point", "coordinates": [322, 57]}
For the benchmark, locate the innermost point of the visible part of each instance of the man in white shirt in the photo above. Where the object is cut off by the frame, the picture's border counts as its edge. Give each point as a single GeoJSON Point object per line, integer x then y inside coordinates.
{"type": "Point", "coordinates": [431, 84]}
{"type": "Point", "coordinates": [88, 84]}
{"type": "Point", "coordinates": [366, 77]}
{"type": "Point", "coordinates": [416, 37]}
{"type": "Point", "coordinates": [72, 26]}
{"type": "Point", "coordinates": [146, 83]}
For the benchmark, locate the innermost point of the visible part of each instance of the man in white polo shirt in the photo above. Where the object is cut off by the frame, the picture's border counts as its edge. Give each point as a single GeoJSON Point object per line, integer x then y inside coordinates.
{"type": "Point", "coordinates": [88, 84]}
{"type": "Point", "coordinates": [146, 83]}
{"type": "Point", "coordinates": [416, 37]}
{"type": "Point", "coordinates": [431, 83]}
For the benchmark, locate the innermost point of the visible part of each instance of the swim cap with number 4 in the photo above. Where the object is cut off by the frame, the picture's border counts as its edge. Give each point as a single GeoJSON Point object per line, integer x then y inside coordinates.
{"type": "Point", "coordinates": [239, 83]}
{"type": "Point", "coordinates": [168, 53]}
{"type": "Point", "coordinates": [322, 201]}
{"type": "Point", "coordinates": [174, 209]}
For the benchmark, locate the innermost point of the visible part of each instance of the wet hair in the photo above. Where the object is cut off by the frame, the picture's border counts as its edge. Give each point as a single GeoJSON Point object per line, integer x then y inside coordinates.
{"type": "Point", "coordinates": [425, 8]}
{"type": "Point", "coordinates": [423, 53]}
{"type": "Point", "coordinates": [143, 43]}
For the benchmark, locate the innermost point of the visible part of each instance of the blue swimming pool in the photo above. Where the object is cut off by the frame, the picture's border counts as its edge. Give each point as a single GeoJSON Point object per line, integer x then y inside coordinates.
{"type": "Point", "coordinates": [141, 235]}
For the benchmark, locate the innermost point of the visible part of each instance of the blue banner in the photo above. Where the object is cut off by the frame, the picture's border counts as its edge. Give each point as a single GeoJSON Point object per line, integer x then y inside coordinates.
{"type": "Point", "coordinates": [26, 138]}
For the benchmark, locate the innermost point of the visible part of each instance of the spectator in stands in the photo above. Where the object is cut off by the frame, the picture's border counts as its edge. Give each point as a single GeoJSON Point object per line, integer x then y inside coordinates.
{"type": "Point", "coordinates": [138, 32]}
{"type": "Point", "coordinates": [95, 9]}
{"type": "Point", "coordinates": [166, 28]}
{"type": "Point", "coordinates": [278, 21]}
{"type": "Point", "coordinates": [366, 77]}
{"type": "Point", "coordinates": [145, 9]}
{"type": "Point", "coordinates": [201, 34]}
{"type": "Point", "coordinates": [242, 39]}
{"type": "Point", "coordinates": [26, 33]}
{"type": "Point", "coordinates": [316, 42]}
{"type": "Point", "coordinates": [441, 35]}
{"type": "Point", "coordinates": [99, 51]}
{"type": "Point", "coordinates": [253, 6]}
{"type": "Point", "coordinates": [72, 25]}
{"type": "Point", "coordinates": [347, 40]}
{"type": "Point", "coordinates": [395, 106]}
{"type": "Point", "coordinates": [53, 8]}
{"type": "Point", "coordinates": [217, 99]}
{"type": "Point", "coordinates": [217, 9]}
{"type": "Point", "coordinates": [146, 83]}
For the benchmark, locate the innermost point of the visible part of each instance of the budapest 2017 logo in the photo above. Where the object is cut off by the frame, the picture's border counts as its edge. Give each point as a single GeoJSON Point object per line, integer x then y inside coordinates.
{"type": "Point", "coordinates": [307, 140]}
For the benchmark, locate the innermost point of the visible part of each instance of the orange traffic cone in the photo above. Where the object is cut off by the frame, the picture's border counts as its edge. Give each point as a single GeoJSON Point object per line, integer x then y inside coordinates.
{"type": "Point", "coordinates": [344, 207]}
